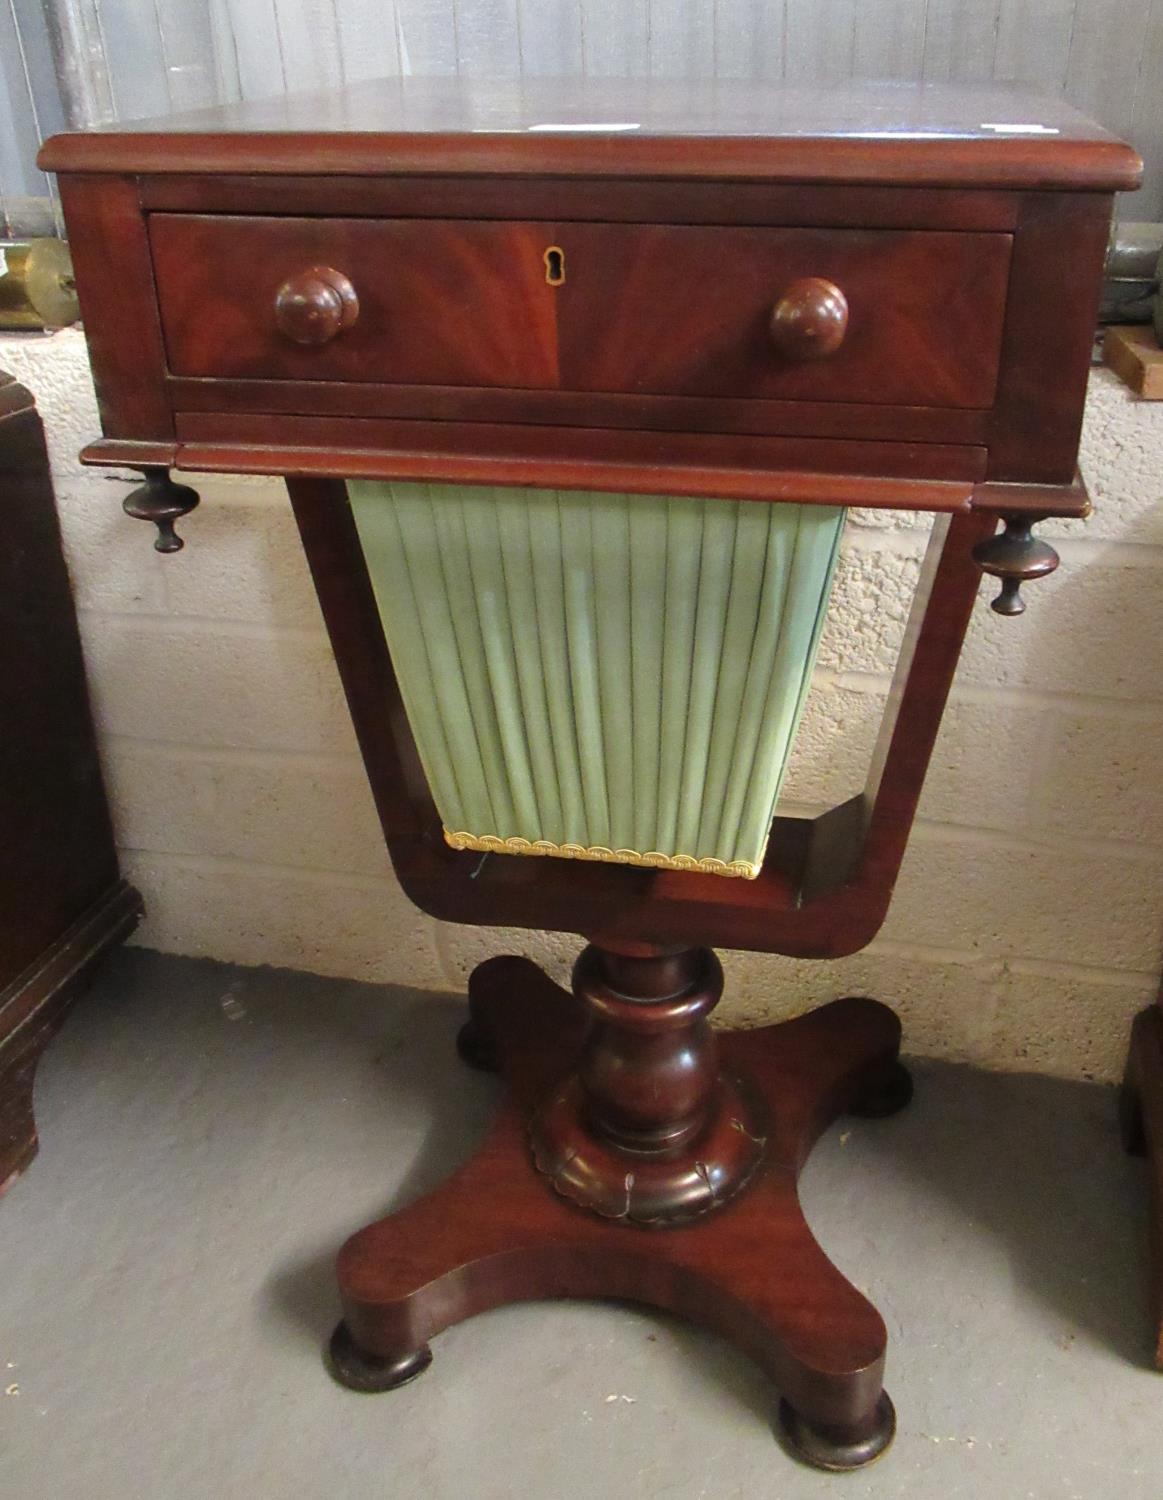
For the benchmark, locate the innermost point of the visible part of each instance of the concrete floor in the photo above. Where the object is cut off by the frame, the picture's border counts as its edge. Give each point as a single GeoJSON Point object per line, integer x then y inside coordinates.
{"type": "Point", "coordinates": [211, 1134]}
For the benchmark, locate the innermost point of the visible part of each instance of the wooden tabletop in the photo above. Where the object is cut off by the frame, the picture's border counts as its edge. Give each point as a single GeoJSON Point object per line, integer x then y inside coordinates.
{"type": "Point", "coordinates": [893, 133]}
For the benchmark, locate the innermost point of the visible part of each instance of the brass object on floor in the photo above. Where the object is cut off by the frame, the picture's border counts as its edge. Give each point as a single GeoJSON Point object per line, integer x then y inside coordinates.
{"type": "Point", "coordinates": [37, 289]}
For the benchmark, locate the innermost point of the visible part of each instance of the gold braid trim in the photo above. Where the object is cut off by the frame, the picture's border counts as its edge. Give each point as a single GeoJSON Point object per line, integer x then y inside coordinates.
{"type": "Point", "coordinates": [490, 843]}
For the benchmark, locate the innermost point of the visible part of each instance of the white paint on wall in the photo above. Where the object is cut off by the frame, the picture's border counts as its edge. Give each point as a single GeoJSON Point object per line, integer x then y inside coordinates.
{"type": "Point", "coordinates": [1026, 925]}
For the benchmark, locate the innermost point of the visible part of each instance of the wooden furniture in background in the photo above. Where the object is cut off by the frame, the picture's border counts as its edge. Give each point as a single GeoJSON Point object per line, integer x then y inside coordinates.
{"type": "Point", "coordinates": [1141, 1119]}
{"type": "Point", "coordinates": [882, 297]}
{"type": "Point", "coordinates": [62, 900]}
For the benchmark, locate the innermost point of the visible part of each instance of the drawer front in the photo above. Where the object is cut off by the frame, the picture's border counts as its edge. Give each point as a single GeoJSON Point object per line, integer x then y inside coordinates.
{"type": "Point", "coordinates": [686, 310]}
{"type": "Point", "coordinates": [589, 307]}
{"type": "Point", "coordinates": [439, 302]}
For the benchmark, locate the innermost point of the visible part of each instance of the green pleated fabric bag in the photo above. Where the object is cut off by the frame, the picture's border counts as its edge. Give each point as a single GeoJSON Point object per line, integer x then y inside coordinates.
{"type": "Point", "coordinates": [592, 676]}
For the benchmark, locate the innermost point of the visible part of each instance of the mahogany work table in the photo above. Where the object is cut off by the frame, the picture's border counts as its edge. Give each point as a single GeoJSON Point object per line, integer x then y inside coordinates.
{"type": "Point", "coordinates": [881, 297]}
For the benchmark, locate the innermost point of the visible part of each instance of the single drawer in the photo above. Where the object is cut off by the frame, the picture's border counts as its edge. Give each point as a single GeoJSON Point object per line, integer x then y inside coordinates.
{"type": "Point", "coordinates": [639, 308]}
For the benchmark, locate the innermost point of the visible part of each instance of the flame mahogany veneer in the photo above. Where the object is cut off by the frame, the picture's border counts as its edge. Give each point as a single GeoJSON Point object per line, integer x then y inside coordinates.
{"type": "Point", "coordinates": [881, 296]}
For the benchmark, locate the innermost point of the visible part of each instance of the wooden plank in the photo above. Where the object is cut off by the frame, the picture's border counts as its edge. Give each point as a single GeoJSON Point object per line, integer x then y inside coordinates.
{"type": "Point", "coordinates": [1133, 353]}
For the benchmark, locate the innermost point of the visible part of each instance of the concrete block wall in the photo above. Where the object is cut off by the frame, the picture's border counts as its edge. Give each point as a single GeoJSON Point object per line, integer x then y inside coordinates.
{"type": "Point", "coordinates": [1026, 926]}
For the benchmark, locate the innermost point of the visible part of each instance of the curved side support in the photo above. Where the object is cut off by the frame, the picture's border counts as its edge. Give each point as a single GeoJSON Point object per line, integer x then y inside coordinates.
{"type": "Point", "coordinates": [826, 904]}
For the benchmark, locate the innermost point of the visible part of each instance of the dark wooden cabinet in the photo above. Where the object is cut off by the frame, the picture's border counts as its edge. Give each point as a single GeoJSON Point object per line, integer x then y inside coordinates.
{"type": "Point", "coordinates": [62, 901]}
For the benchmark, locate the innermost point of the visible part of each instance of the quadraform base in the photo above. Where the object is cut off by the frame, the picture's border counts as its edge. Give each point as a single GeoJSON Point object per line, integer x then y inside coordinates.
{"type": "Point", "coordinates": [747, 1267]}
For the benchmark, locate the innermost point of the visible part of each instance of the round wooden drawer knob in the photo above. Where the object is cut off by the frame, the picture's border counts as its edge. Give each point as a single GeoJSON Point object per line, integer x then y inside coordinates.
{"type": "Point", "coordinates": [315, 306]}
{"type": "Point", "coordinates": [810, 320]}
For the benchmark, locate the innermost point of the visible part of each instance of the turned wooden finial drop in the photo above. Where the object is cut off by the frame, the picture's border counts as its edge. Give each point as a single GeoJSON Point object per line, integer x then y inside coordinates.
{"type": "Point", "coordinates": [1015, 556]}
{"type": "Point", "coordinates": [163, 502]}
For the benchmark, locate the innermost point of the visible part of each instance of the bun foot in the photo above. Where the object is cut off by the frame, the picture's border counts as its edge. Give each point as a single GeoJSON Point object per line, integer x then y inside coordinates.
{"type": "Point", "coordinates": [476, 1041]}
{"type": "Point", "coordinates": [1131, 1130]}
{"type": "Point", "coordinates": [884, 1094]}
{"type": "Point", "coordinates": [1141, 1127]}
{"type": "Point", "coordinates": [360, 1371]}
{"type": "Point", "coordinates": [838, 1448]}
{"type": "Point", "coordinates": [476, 1048]}
{"type": "Point", "coordinates": [1131, 1127]}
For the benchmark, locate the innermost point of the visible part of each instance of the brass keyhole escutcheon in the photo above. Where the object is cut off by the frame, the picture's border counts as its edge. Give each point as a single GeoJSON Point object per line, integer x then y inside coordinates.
{"type": "Point", "coordinates": [554, 259]}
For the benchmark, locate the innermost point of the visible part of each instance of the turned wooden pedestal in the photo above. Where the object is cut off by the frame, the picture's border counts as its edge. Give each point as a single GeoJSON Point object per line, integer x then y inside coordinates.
{"type": "Point", "coordinates": [640, 1156]}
